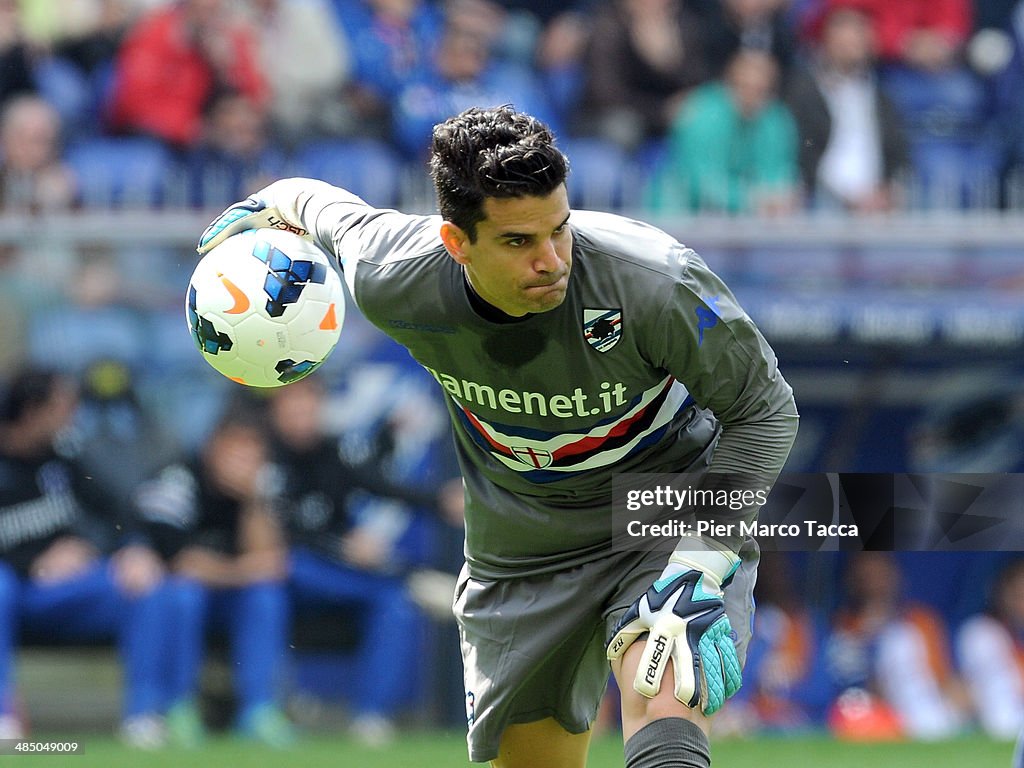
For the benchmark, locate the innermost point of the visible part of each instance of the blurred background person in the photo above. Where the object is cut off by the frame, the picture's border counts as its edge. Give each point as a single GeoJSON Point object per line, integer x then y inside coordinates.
{"type": "Point", "coordinates": [213, 520]}
{"type": "Point", "coordinates": [235, 153]}
{"type": "Point", "coordinates": [16, 65]}
{"type": "Point", "coordinates": [942, 101]}
{"type": "Point", "coordinates": [733, 146]}
{"type": "Point", "coordinates": [73, 44]}
{"type": "Point", "coordinates": [90, 311]}
{"type": "Point", "coordinates": [392, 43]}
{"type": "Point", "coordinates": [1002, 46]}
{"type": "Point", "coordinates": [57, 529]}
{"type": "Point", "coordinates": [33, 176]}
{"type": "Point", "coordinates": [307, 60]}
{"type": "Point", "coordinates": [462, 71]}
{"type": "Point", "coordinates": [777, 693]}
{"type": "Point", "coordinates": [559, 49]}
{"type": "Point", "coordinates": [889, 659]}
{"type": "Point", "coordinates": [344, 552]}
{"type": "Point", "coordinates": [925, 36]}
{"type": "Point", "coordinates": [172, 60]}
{"type": "Point", "coordinates": [729, 26]}
{"type": "Point", "coordinates": [853, 149]}
{"type": "Point", "coordinates": [642, 59]}
{"type": "Point", "coordinates": [990, 648]}
{"type": "Point", "coordinates": [122, 442]}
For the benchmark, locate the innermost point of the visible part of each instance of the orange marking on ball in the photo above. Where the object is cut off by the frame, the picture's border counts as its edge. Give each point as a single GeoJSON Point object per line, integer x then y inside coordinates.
{"type": "Point", "coordinates": [330, 321]}
{"type": "Point", "coordinates": [237, 294]}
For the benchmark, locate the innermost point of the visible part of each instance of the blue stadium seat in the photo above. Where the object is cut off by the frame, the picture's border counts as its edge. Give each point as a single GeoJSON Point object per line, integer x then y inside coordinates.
{"type": "Point", "coordinates": [67, 88]}
{"type": "Point", "coordinates": [189, 405]}
{"type": "Point", "coordinates": [598, 173]}
{"type": "Point", "coordinates": [648, 160]}
{"type": "Point", "coordinates": [71, 337]}
{"type": "Point", "coordinates": [954, 159]}
{"type": "Point", "coordinates": [364, 167]}
{"type": "Point", "coordinates": [170, 350]}
{"type": "Point", "coordinates": [125, 172]}
{"type": "Point", "coordinates": [952, 175]}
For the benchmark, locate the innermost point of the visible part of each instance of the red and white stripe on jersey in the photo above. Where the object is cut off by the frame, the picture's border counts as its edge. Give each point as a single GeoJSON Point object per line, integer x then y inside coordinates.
{"type": "Point", "coordinates": [534, 451]}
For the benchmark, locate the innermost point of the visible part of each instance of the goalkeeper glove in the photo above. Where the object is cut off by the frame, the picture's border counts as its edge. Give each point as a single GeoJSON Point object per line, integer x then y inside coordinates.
{"type": "Point", "coordinates": [683, 615]}
{"type": "Point", "coordinates": [252, 213]}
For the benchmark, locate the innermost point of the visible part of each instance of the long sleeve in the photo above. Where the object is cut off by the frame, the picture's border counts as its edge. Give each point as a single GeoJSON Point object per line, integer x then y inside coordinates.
{"type": "Point", "coordinates": [714, 349]}
{"type": "Point", "coordinates": [712, 346]}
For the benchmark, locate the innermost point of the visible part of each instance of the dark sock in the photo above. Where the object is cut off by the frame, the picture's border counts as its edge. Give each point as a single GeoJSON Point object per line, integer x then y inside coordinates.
{"type": "Point", "coordinates": [670, 742]}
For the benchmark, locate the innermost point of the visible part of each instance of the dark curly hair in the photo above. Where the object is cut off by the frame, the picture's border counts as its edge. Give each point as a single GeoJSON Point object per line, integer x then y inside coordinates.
{"type": "Point", "coordinates": [30, 389]}
{"type": "Point", "coordinates": [497, 152]}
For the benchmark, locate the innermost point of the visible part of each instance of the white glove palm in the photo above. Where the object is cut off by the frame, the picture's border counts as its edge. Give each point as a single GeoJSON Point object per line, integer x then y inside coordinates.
{"type": "Point", "coordinates": [683, 615]}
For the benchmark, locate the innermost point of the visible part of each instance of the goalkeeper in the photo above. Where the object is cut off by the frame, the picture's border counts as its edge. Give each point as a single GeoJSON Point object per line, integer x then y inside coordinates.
{"type": "Point", "coordinates": [571, 346]}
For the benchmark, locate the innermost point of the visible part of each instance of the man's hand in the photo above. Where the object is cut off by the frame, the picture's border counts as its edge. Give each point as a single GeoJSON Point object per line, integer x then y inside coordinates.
{"type": "Point", "coordinates": [64, 559]}
{"type": "Point", "coordinates": [252, 213]}
{"type": "Point", "coordinates": [216, 569]}
{"type": "Point", "coordinates": [137, 569]}
{"type": "Point", "coordinates": [365, 550]}
{"type": "Point", "coordinates": [683, 616]}
{"type": "Point", "coordinates": [451, 501]}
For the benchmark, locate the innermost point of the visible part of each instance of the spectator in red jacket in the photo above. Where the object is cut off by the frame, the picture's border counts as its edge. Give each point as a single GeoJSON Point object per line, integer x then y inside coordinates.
{"type": "Point", "coordinates": [923, 34]}
{"type": "Point", "coordinates": [173, 60]}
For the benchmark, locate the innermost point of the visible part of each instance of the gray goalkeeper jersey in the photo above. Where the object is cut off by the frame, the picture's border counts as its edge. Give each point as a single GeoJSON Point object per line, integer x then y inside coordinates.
{"type": "Point", "coordinates": [644, 366]}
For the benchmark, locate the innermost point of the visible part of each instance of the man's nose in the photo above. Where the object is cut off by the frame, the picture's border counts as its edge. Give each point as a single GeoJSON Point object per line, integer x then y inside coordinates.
{"type": "Point", "coordinates": [546, 258]}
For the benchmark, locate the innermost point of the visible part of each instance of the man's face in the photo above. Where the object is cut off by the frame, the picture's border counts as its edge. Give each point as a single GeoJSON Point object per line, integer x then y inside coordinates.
{"type": "Point", "coordinates": [234, 457]}
{"type": "Point", "coordinates": [296, 412]}
{"type": "Point", "coordinates": [752, 77]}
{"type": "Point", "coordinates": [522, 256]}
{"type": "Point", "coordinates": [43, 421]}
{"type": "Point", "coordinates": [848, 39]}
{"type": "Point", "coordinates": [30, 136]}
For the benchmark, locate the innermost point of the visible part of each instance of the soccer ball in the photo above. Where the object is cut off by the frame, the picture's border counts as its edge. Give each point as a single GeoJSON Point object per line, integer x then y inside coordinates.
{"type": "Point", "coordinates": [265, 307]}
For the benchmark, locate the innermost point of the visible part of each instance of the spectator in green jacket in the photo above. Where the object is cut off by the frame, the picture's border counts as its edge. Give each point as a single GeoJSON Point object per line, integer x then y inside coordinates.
{"type": "Point", "coordinates": [732, 147]}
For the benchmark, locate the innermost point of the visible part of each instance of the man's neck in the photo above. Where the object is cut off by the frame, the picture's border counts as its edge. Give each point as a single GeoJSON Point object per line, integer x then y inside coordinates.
{"type": "Point", "coordinates": [483, 308]}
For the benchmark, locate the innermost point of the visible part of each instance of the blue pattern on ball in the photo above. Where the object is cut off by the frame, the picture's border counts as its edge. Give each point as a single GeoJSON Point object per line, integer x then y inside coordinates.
{"type": "Point", "coordinates": [286, 278]}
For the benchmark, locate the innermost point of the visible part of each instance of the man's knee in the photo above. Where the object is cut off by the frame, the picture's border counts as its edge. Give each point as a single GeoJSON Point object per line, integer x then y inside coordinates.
{"type": "Point", "coordinates": [661, 730]}
{"type": "Point", "coordinates": [541, 744]}
{"type": "Point", "coordinates": [638, 710]}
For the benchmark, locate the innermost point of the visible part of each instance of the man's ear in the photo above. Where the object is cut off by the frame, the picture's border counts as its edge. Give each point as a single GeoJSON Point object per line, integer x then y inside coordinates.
{"type": "Point", "coordinates": [454, 240]}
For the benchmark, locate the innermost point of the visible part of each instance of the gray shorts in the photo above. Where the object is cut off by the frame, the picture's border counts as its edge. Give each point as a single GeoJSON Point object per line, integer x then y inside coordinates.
{"type": "Point", "coordinates": [534, 647]}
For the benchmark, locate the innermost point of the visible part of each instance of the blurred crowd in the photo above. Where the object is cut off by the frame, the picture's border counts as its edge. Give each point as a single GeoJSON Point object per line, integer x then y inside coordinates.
{"type": "Point", "coordinates": [289, 536]}
{"type": "Point", "coordinates": [884, 659]}
{"type": "Point", "coordinates": [726, 106]}
{"type": "Point", "coordinates": [111, 533]}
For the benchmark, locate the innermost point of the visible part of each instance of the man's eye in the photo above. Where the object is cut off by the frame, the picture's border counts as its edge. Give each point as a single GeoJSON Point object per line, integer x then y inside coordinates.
{"type": "Point", "coordinates": [516, 242]}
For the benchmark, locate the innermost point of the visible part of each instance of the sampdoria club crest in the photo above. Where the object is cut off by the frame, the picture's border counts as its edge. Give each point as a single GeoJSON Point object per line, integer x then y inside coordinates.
{"type": "Point", "coordinates": [602, 328]}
